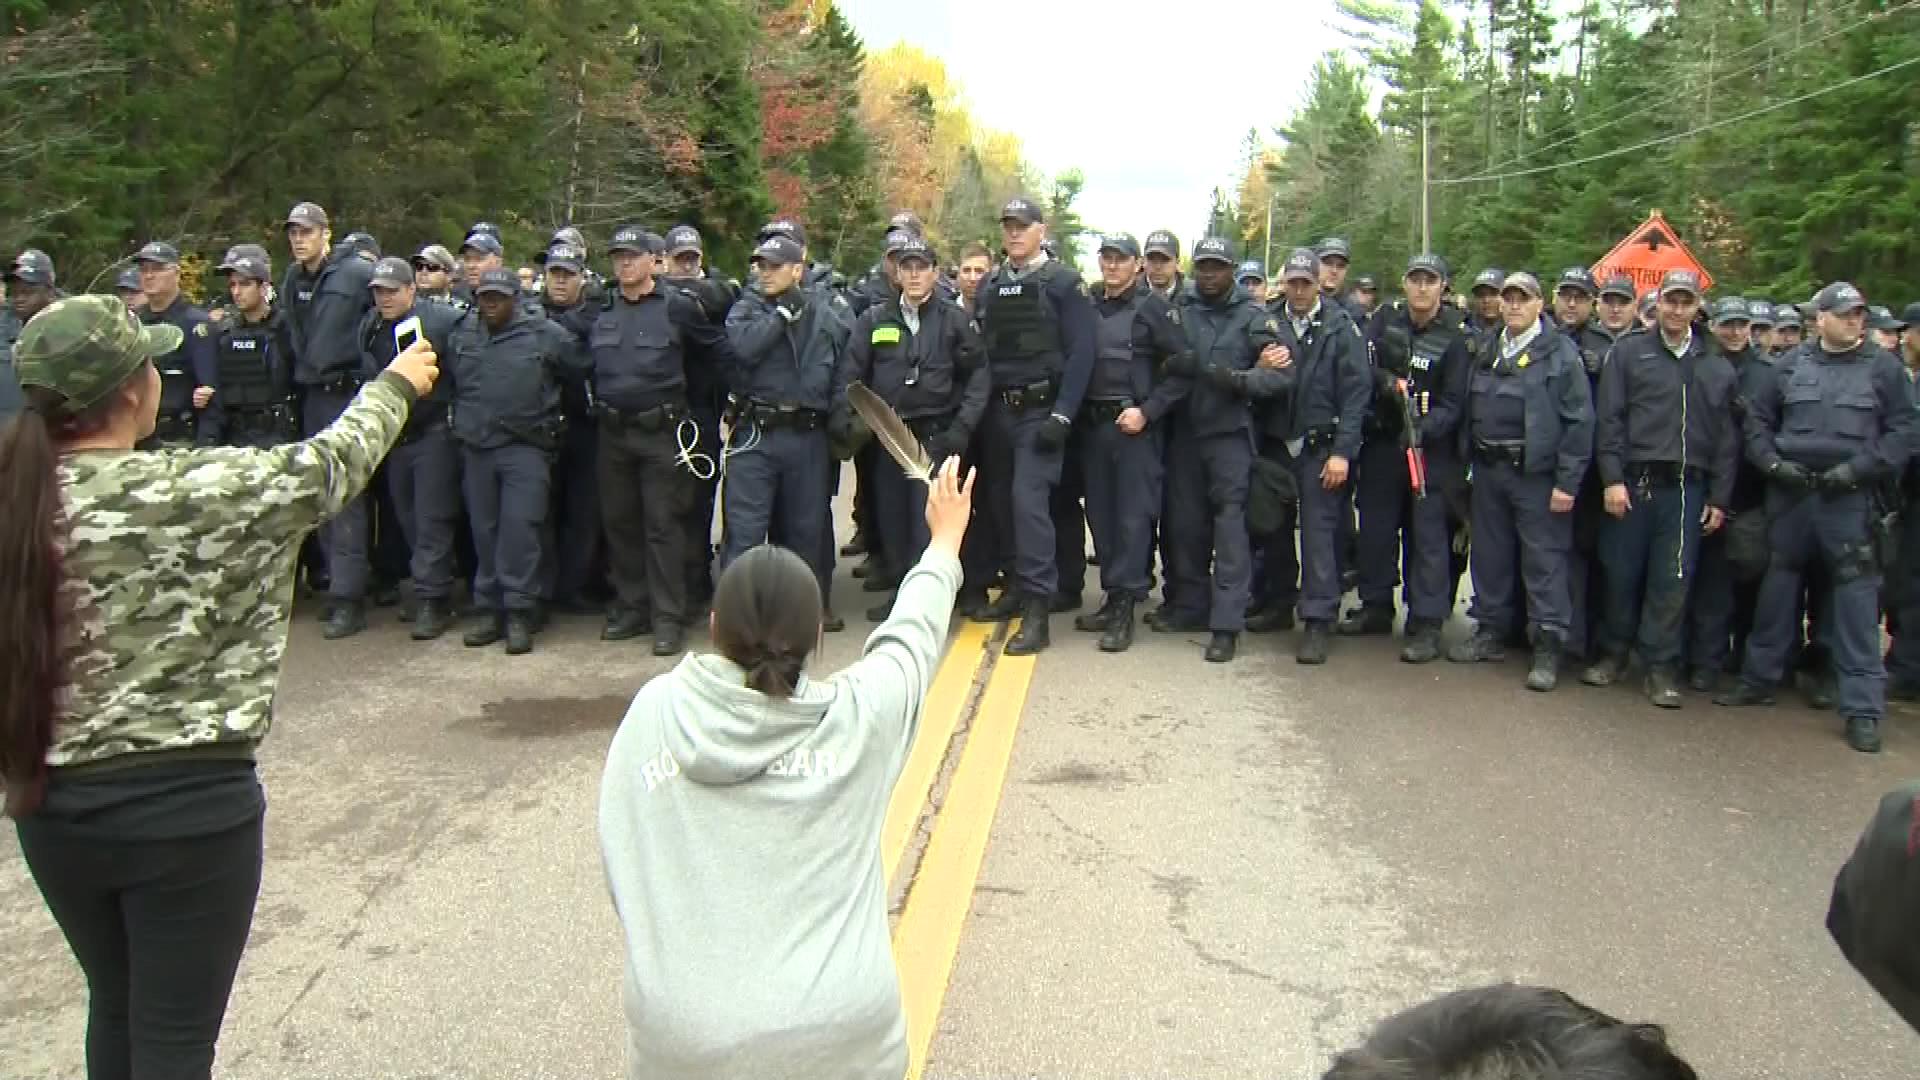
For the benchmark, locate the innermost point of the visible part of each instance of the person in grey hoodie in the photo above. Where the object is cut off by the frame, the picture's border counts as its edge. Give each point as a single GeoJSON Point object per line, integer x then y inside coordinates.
{"type": "Point", "coordinates": [740, 819]}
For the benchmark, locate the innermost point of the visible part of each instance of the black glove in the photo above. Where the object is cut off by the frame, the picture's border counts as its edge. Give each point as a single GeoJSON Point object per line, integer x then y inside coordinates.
{"type": "Point", "coordinates": [1181, 363]}
{"type": "Point", "coordinates": [946, 444]}
{"type": "Point", "coordinates": [1839, 480]}
{"type": "Point", "coordinates": [1791, 475]}
{"type": "Point", "coordinates": [1053, 433]}
{"type": "Point", "coordinates": [791, 305]}
{"type": "Point", "coordinates": [1233, 382]}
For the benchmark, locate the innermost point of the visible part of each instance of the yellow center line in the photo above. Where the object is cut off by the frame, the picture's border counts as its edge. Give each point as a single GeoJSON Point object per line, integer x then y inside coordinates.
{"type": "Point", "coordinates": [939, 717]}
{"type": "Point", "coordinates": [927, 938]}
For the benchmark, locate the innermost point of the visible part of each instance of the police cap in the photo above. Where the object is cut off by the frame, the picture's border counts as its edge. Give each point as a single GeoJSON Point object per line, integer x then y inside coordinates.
{"type": "Point", "coordinates": [1124, 243]}
{"type": "Point", "coordinates": [1429, 263]}
{"type": "Point", "coordinates": [1760, 313]}
{"type": "Point", "coordinates": [435, 257]}
{"type": "Point", "coordinates": [1880, 318]}
{"type": "Point", "coordinates": [1023, 210]}
{"type": "Point", "coordinates": [1619, 285]}
{"type": "Point", "coordinates": [1251, 270]}
{"type": "Point", "coordinates": [128, 279]}
{"type": "Point", "coordinates": [308, 214]}
{"type": "Point", "coordinates": [1839, 298]}
{"type": "Point", "coordinates": [486, 227]}
{"type": "Point", "coordinates": [1365, 283]}
{"type": "Point", "coordinates": [1579, 278]}
{"type": "Point", "coordinates": [569, 257]}
{"type": "Point", "coordinates": [631, 239]}
{"type": "Point", "coordinates": [1492, 278]}
{"type": "Point", "coordinates": [157, 252]}
{"type": "Point", "coordinates": [682, 238]}
{"type": "Point", "coordinates": [498, 280]}
{"type": "Point", "coordinates": [1786, 315]}
{"type": "Point", "coordinates": [1685, 281]}
{"type": "Point", "coordinates": [1333, 246]}
{"type": "Point", "coordinates": [392, 272]}
{"type": "Point", "coordinates": [362, 242]}
{"type": "Point", "coordinates": [777, 251]}
{"type": "Point", "coordinates": [31, 267]}
{"type": "Point", "coordinates": [243, 251]}
{"type": "Point", "coordinates": [482, 242]}
{"type": "Point", "coordinates": [1729, 309]}
{"type": "Point", "coordinates": [1910, 318]}
{"type": "Point", "coordinates": [1162, 242]}
{"type": "Point", "coordinates": [1523, 281]}
{"type": "Point", "coordinates": [913, 247]}
{"type": "Point", "coordinates": [1213, 249]}
{"type": "Point", "coordinates": [907, 220]}
{"type": "Point", "coordinates": [250, 268]}
{"type": "Point", "coordinates": [783, 227]}
{"type": "Point", "coordinates": [566, 236]}
{"type": "Point", "coordinates": [895, 238]}
{"type": "Point", "coordinates": [1301, 265]}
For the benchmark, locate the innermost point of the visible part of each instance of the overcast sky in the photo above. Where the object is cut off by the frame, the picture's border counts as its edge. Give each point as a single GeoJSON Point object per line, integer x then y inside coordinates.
{"type": "Point", "coordinates": [1152, 158]}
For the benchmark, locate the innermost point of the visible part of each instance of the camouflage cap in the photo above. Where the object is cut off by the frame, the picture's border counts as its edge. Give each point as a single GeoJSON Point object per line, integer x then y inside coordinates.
{"type": "Point", "coordinates": [82, 347]}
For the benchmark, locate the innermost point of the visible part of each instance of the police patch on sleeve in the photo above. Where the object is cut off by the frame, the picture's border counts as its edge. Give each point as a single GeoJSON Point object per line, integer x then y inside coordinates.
{"type": "Point", "coordinates": [1173, 315]}
{"type": "Point", "coordinates": [1273, 325]}
{"type": "Point", "coordinates": [1082, 286]}
{"type": "Point", "coordinates": [199, 329]}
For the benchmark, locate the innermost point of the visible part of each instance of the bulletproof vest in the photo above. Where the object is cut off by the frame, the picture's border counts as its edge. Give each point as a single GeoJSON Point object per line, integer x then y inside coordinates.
{"type": "Point", "coordinates": [249, 372]}
{"type": "Point", "coordinates": [1023, 341]}
{"type": "Point", "coordinates": [636, 354]}
{"type": "Point", "coordinates": [176, 382]}
{"type": "Point", "coordinates": [1113, 353]}
{"type": "Point", "coordinates": [1828, 409]}
{"type": "Point", "coordinates": [1499, 406]}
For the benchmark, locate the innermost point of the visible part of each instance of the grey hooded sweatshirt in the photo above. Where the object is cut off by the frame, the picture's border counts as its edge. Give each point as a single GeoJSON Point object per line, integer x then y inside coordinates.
{"type": "Point", "coordinates": [741, 837]}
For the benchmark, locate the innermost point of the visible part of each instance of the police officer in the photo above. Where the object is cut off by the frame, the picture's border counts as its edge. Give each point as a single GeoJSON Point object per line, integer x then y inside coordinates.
{"type": "Point", "coordinates": [706, 400]}
{"type": "Point", "coordinates": [789, 342]}
{"type": "Point", "coordinates": [1484, 316]}
{"type": "Point", "coordinates": [1885, 328]}
{"type": "Point", "coordinates": [362, 244]}
{"type": "Point", "coordinates": [253, 359]}
{"type": "Point", "coordinates": [647, 339]}
{"type": "Point", "coordinates": [1903, 621]}
{"type": "Point", "coordinates": [1759, 325]}
{"type": "Point", "coordinates": [30, 288]}
{"type": "Point", "coordinates": [1365, 296]}
{"type": "Point", "coordinates": [1319, 423]}
{"type": "Point", "coordinates": [508, 367]}
{"type": "Point", "coordinates": [1163, 264]}
{"type": "Point", "coordinates": [571, 569]}
{"type": "Point", "coordinates": [1039, 326]}
{"type": "Point", "coordinates": [1252, 279]}
{"type": "Point", "coordinates": [1529, 431]}
{"type": "Point", "coordinates": [1574, 303]}
{"type": "Point", "coordinates": [126, 285]}
{"type": "Point", "coordinates": [1835, 418]}
{"type": "Point", "coordinates": [882, 568]}
{"type": "Point", "coordinates": [1122, 433]}
{"type": "Point", "coordinates": [423, 469]}
{"type": "Point", "coordinates": [1335, 256]}
{"type": "Point", "coordinates": [433, 270]}
{"type": "Point", "coordinates": [325, 294]}
{"type": "Point", "coordinates": [1787, 329]}
{"type": "Point", "coordinates": [1665, 450]}
{"type": "Point", "coordinates": [1210, 456]}
{"type": "Point", "coordinates": [479, 253]}
{"type": "Point", "coordinates": [1720, 609]}
{"type": "Point", "coordinates": [187, 376]}
{"type": "Point", "coordinates": [1616, 306]}
{"type": "Point", "coordinates": [922, 355]}
{"type": "Point", "coordinates": [1420, 369]}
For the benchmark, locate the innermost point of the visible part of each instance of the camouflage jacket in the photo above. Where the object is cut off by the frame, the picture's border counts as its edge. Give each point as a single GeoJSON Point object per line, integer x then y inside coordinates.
{"type": "Point", "coordinates": [178, 569]}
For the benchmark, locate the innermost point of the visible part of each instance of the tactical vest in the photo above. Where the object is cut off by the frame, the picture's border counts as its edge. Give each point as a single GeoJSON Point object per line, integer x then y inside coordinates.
{"type": "Point", "coordinates": [1828, 410]}
{"type": "Point", "coordinates": [637, 362]}
{"type": "Point", "coordinates": [251, 377]}
{"type": "Point", "coordinates": [1023, 340]}
{"type": "Point", "coordinates": [1113, 355]}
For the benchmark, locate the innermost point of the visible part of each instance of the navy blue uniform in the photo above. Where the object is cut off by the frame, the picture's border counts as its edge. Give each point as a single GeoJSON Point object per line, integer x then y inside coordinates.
{"type": "Point", "coordinates": [1720, 609]}
{"type": "Point", "coordinates": [1528, 432]}
{"type": "Point", "coordinates": [1586, 585]}
{"type": "Point", "coordinates": [507, 419]}
{"type": "Point", "coordinates": [1665, 430]}
{"type": "Point", "coordinates": [787, 377]}
{"type": "Point", "coordinates": [323, 309]}
{"type": "Point", "coordinates": [1039, 328]}
{"type": "Point", "coordinates": [706, 400]}
{"type": "Point", "coordinates": [572, 560]}
{"type": "Point", "coordinates": [253, 362]}
{"type": "Point", "coordinates": [179, 423]}
{"type": "Point", "coordinates": [423, 469]}
{"type": "Point", "coordinates": [1819, 410]}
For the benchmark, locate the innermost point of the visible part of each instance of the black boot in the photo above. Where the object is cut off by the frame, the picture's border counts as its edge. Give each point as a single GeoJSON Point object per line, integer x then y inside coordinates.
{"type": "Point", "coordinates": [831, 623]}
{"type": "Point", "coordinates": [519, 633]}
{"type": "Point", "coordinates": [1863, 734]}
{"type": "Point", "coordinates": [669, 637]}
{"type": "Point", "coordinates": [1313, 642]}
{"type": "Point", "coordinates": [624, 624]}
{"type": "Point", "coordinates": [1546, 662]}
{"type": "Point", "coordinates": [1484, 646]}
{"type": "Point", "coordinates": [1745, 693]}
{"type": "Point", "coordinates": [347, 618]}
{"type": "Point", "coordinates": [1270, 619]}
{"type": "Point", "coordinates": [488, 627]}
{"type": "Point", "coordinates": [1362, 621]}
{"type": "Point", "coordinates": [1004, 607]}
{"type": "Point", "coordinates": [855, 546]}
{"type": "Point", "coordinates": [1118, 634]}
{"type": "Point", "coordinates": [1663, 689]}
{"type": "Point", "coordinates": [880, 611]}
{"type": "Point", "coordinates": [1604, 671]}
{"type": "Point", "coordinates": [1220, 649]}
{"type": "Point", "coordinates": [1095, 621]}
{"type": "Point", "coordinates": [971, 601]}
{"type": "Point", "coordinates": [1423, 644]}
{"type": "Point", "coordinates": [431, 618]}
{"type": "Point", "coordinates": [1032, 635]}
{"type": "Point", "coordinates": [880, 582]}
{"type": "Point", "coordinates": [1064, 602]}
{"type": "Point", "coordinates": [868, 566]}
{"type": "Point", "coordinates": [1165, 620]}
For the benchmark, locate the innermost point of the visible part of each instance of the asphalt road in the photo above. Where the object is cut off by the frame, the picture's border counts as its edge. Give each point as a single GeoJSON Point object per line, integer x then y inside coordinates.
{"type": "Point", "coordinates": [1194, 871]}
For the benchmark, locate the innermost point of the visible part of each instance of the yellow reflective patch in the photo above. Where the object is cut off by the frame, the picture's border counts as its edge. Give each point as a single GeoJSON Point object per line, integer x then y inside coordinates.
{"type": "Point", "coordinates": [1523, 361]}
{"type": "Point", "coordinates": [886, 335]}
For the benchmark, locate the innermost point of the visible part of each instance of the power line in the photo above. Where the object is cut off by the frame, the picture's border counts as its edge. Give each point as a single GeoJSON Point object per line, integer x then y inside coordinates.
{"type": "Point", "coordinates": [1677, 136]}
{"type": "Point", "coordinates": [1631, 113]}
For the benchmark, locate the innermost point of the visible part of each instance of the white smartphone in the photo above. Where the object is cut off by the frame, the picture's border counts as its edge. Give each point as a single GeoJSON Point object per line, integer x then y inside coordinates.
{"type": "Point", "coordinates": [405, 333]}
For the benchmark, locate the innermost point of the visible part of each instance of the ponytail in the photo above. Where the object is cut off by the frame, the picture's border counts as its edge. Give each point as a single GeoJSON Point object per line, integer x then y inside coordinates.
{"type": "Point", "coordinates": [31, 668]}
{"type": "Point", "coordinates": [766, 618]}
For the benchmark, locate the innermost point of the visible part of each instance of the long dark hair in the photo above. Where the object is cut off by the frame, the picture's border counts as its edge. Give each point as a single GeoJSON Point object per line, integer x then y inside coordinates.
{"type": "Point", "coordinates": [766, 617]}
{"type": "Point", "coordinates": [32, 668]}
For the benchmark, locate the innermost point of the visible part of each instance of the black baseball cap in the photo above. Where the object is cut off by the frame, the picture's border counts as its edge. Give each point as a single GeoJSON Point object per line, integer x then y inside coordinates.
{"type": "Point", "coordinates": [1301, 265]}
{"type": "Point", "coordinates": [1491, 278]}
{"type": "Point", "coordinates": [250, 267]}
{"type": "Point", "coordinates": [1333, 245]}
{"type": "Point", "coordinates": [1731, 309]}
{"type": "Point", "coordinates": [1880, 318]}
{"type": "Point", "coordinates": [1760, 312]}
{"type": "Point", "coordinates": [362, 241]}
{"type": "Point", "coordinates": [1365, 283]}
{"type": "Point", "coordinates": [1619, 285]}
{"type": "Point", "coordinates": [897, 237]}
{"type": "Point", "coordinates": [1251, 270]}
{"type": "Point", "coordinates": [1787, 315]}
{"type": "Point", "coordinates": [1578, 277]}
{"type": "Point", "coordinates": [483, 242]}
{"type": "Point", "coordinates": [308, 214]}
{"type": "Point", "coordinates": [487, 227]}
{"type": "Point", "coordinates": [567, 257]}
{"type": "Point", "coordinates": [1429, 262]}
{"type": "Point", "coordinates": [630, 238]}
{"type": "Point", "coordinates": [908, 220]}
{"type": "Point", "coordinates": [1910, 318]}
{"type": "Point", "coordinates": [31, 267]}
{"type": "Point", "coordinates": [157, 252]}
{"type": "Point", "coordinates": [1213, 249]}
{"type": "Point", "coordinates": [392, 272]}
{"type": "Point", "coordinates": [1124, 243]}
{"type": "Point", "coordinates": [684, 238]}
{"type": "Point", "coordinates": [1839, 298]}
{"type": "Point", "coordinates": [913, 247]}
{"type": "Point", "coordinates": [128, 280]}
{"type": "Point", "coordinates": [1685, 281]}
{"type": "Point", "coordinates": [498, 280]}
{"type": "Point", "coordinates": [783, 227]}
{"type": "Point", "coordinates": [1023, 210]}
{"type": "Point", "coordinates": [778, 251]}
{"type": "Point", "coordinates": [1162, 242]}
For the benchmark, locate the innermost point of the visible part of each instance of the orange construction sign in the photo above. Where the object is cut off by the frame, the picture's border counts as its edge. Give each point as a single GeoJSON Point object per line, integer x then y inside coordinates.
{"type": "Point", "coordinates": [1648, 252]}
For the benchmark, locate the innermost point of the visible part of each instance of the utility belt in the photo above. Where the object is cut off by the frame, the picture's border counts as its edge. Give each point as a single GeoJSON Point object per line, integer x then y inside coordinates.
{"type": "Point", "coordinates": [544, 433]}
{"type": "Point", "coordinates": [259, 417]}
{"type": "Point", "coordinates": [926, 427]}
{"type": "Point", "coordinates": [172, 425]}
{"type": "Point", "coordinates": [1500, 452]}
{"type": "Point", "coordinates": [1106, 410]}
{"type": "Point", "coordinates": [1663, 474]}
{"type": "Point", "coordinates": [1317, 439]}
{"type": "Point", "coordinates": [658, 418]}
{"type": "Point", "coordinates": [770, 417]}
{"type": "Point", "coordinates": [414, 432]}
{"type": "Point", "coordinates": [339, 384]}
{"type": "Point", "coordinates": [1033, 395]}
